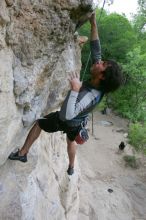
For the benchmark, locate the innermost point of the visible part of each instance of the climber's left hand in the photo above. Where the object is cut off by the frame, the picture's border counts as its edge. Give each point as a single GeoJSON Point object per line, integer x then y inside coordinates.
{"type": "Point", "coordinates": [75, 82]}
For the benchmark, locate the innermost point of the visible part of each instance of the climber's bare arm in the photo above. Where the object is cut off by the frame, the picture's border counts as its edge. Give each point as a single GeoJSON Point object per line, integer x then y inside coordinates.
{"type": "Point", "coordinates": [94, 30]}
{"type": "Point", "coordinates": [95, 41]}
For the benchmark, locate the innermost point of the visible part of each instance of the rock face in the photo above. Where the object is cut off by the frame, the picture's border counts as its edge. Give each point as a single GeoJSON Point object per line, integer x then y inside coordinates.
{"type": "Point", "coordinates": [37, 52]}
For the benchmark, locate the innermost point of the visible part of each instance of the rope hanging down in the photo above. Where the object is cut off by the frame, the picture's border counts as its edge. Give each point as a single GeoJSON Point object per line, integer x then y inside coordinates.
{"type": "Point", "coordinates": [89, 59]}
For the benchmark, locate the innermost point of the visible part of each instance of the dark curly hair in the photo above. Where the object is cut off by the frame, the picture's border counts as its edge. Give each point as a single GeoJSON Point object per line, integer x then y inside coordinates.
{"type": "Point", "coordinates": [113, 77]}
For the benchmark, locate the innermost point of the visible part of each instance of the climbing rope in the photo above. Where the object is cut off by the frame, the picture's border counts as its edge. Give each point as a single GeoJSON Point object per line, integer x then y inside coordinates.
{"type": "Point", "coordinates": [90, 51]}
{"type": "Point", "coordinates": [98, 20]}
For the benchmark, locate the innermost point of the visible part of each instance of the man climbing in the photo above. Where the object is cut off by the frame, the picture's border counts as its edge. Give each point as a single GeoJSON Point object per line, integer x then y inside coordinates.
{"type": "Point", "coordinates": [106, 77]}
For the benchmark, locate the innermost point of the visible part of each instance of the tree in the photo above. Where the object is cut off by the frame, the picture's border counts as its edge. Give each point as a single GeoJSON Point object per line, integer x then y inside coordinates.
{"type": "Point", "coordinates": [130, 99]}
{"type": "Point", "coordinates": [140, 25]}
{"type": "Point", "coordinates": [142, 6]}
{"type": "Point", "coordinates": [117, 37]}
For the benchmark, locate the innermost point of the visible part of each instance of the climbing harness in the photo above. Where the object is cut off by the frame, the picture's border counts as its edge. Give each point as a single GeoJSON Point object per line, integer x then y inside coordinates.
{"type": "Point", "coordinates": [82, 136]}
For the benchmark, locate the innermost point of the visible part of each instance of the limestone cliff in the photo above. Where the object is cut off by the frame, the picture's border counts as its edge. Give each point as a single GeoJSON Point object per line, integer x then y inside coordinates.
{"type": "Point", "coordinates": [37, 52]}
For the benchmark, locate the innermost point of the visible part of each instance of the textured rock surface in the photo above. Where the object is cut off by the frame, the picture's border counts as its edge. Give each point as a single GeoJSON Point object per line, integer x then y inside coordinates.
{"type": "Point", "coordinates": [37, 52]}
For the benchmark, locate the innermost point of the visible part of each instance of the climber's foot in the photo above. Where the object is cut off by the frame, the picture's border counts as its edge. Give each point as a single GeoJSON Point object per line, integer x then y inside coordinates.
{"type": "Point", "coordinates": [17, 156]}
{"type": "Point", "coordinates": [70, 170]}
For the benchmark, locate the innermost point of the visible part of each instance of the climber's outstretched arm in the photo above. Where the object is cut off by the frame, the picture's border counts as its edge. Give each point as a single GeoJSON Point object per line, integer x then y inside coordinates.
{"type": "Point", "coordinates": [94, 30]}
{"type": "Point", "coordinates": [95, 42]}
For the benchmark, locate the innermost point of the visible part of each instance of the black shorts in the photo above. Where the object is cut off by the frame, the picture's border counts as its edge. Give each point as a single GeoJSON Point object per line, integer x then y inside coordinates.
{"type": "Point", "coordinates": [51, 123]}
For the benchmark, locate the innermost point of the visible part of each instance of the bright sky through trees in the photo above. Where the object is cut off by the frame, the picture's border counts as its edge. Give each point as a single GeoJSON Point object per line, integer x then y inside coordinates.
{"type": "Point", "coordinates": [128, 7]}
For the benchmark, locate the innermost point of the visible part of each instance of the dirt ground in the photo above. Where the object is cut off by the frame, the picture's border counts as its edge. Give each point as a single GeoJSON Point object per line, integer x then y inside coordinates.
{"type": "Point", "coordinates": [110, 190]}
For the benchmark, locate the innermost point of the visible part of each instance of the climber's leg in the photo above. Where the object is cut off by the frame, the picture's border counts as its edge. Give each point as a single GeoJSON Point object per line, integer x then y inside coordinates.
{"type": "Point", "coordinates": [49, 123]}
{"type": "Point", "coordinates": [32, 136]}
{"type": "Point", "coordinates": [71, 149]}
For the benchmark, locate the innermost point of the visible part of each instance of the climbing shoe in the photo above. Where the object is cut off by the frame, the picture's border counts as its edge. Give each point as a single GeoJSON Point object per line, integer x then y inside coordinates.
{"type": "Point", "coordinates": [16, 156]}
{"type": "Point", "coordinates": [70, 170]}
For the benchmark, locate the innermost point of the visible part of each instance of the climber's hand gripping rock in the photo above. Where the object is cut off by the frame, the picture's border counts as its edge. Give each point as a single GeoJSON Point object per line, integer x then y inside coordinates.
{"type": "Point", "coordinates": [75, 82]}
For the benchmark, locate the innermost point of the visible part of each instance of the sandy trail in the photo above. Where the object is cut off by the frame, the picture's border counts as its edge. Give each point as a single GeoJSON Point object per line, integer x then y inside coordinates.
{"type": "Point", "coordinates": [103, 168]}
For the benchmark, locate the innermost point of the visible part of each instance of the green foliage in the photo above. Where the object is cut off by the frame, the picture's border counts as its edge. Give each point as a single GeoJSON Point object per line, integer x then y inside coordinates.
{"type": "Point", "coordinates": [137, 136]}
{"type": "Point", "coordinates": [142, 5]}
{"type": "Point", "coordinates": [117, 37]}
{"type": "Point", "coordinates": [131, 161]}
{"type": "Point", "coordinates": [129, 101]}
{"type": "Point", "coordinates": [139, 23]}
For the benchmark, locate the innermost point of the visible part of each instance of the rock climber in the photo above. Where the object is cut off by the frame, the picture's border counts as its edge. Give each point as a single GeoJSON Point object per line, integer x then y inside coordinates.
{"type": "Point", "coordinates": [106, 76]}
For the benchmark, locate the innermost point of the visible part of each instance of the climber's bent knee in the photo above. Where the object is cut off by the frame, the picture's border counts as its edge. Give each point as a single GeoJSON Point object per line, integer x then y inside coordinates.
{"type": "Point", "coordinates": [70, 142]}
{"type": "Point", "coordinates": [37, 124]}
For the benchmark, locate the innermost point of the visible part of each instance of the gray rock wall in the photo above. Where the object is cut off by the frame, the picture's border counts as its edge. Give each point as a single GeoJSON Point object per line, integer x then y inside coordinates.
{"type": "Point", "coordinates": [37, 52]}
